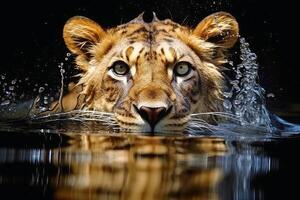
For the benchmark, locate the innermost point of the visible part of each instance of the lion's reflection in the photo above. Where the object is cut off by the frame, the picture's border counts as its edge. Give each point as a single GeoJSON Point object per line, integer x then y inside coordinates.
{"type": "Point", "coordinates": [140, 167]}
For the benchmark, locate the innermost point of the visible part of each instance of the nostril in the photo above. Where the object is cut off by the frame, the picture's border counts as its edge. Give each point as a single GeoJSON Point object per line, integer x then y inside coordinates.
{"type": "Point", "coordinates": [152, 115]}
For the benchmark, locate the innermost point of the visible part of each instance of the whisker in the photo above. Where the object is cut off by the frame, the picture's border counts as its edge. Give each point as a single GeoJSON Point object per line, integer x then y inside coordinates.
{"type": "Point", "coordinates": [221, 114]}
{"type": "Point", "coordinates": [200, 125]}
{"type": "Point", "coordinates": [184, 21]}
{"type": "Point", "coordinates": [214, 113]}
{"type": "Point", "coordinates": [201, 121]}
{"type": "Point", "coordinates": [82, 116]}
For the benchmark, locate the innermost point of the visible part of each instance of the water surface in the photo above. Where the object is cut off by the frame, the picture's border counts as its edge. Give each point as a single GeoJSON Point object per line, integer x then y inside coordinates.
{"type": "Point", "coordinates": [58, 162]}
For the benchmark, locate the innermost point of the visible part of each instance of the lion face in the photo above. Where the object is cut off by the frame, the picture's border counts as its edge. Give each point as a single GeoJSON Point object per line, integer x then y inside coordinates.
{"type": "Point", "coordinates": [152, 75]}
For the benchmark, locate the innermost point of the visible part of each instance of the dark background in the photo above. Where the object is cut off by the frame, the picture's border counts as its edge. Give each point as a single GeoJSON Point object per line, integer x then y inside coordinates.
{"type": "Point", "coordinates": [32, 44]}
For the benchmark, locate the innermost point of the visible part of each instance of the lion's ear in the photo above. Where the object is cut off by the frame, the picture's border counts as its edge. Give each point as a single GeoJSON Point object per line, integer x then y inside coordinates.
{"type": "Point", "coordinates": [80, 33]}
{"type": "Point", "coordinates": [219, 28]}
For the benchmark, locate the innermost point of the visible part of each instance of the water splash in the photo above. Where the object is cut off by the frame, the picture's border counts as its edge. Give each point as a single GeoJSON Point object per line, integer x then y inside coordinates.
{"type": "Point", "coordinates": [21, 91]}
{"type": "Point", "coordinates": [246, 97]}
{"type": "Point", "coordinates": [62, 71]}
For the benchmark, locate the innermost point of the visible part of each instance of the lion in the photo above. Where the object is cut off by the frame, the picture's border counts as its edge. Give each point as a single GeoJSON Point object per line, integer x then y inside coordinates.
{"type": "Point", "coordinates": [150, 76]}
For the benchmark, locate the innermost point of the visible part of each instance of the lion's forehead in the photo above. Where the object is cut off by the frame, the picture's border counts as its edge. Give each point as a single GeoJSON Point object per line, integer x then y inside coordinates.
{"type": "Point", "coordinates": [149, 31]}
{"type": "Point", "coordinates": [163, 51]}
{"type": "Point", "coordinates": [155, 41]}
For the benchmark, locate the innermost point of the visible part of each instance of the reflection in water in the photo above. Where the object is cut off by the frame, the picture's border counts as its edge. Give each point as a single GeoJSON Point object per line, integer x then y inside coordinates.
{"type": "Point", "coordinates": [143, 167]}
{"type": "Point", "coordinates": [104, 166]}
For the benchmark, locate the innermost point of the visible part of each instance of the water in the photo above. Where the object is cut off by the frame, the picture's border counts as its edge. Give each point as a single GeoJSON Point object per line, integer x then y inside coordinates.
{"type": "Point", "coordinates": [49, 163]}
{"type": "Point", "coordinates": [245, 98]}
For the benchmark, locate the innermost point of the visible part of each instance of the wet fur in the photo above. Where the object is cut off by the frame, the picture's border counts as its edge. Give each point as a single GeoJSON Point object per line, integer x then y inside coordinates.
{"type": "Point", "coordinates": [151, 50]}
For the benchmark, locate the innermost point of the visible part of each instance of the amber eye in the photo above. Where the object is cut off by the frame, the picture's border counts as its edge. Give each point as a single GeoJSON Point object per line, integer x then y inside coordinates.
{"type": "Point", "coordinates": [182, 68]}
{"type": "Point", "coordinates": [120, 68]}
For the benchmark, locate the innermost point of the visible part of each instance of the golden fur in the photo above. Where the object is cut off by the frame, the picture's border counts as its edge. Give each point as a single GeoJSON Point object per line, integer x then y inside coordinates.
{"type": "Point", "coordinates": [151, 87]}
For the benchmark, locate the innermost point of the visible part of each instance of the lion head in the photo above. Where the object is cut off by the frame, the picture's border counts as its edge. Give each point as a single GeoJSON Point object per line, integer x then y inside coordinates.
{"type": "Point", "coordinates": [152, 76]}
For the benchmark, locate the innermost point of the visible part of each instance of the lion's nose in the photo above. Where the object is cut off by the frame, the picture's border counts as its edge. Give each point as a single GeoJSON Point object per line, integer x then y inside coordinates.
{"type": "Point", "coordinates": [152, 115]}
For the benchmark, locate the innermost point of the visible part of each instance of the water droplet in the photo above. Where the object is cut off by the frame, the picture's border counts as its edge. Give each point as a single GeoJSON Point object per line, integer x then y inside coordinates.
{"type": "Point", "coordinates": [227, 104]}
{"type": "Point", "coordinates": [11, 88]}
{"type": "Point", "coordinates": [251, 56]}
{"type": "Point", "coordinates": [237, 102]}
{"type": "Point", "coordinates": [43, 109]}
{"type": "Point", "coordinates": [41, 89]}
{"type": "Point", "coordinates": [237, 88]}
{"type": "Point", "coordinates": [240, 97]}
{"type": "Point", "coordinates": [61, 64]}
{"type": "Point", "coordinates": [238, 76]}
{"type": "Point", "coordinates": [227, 94]}
{"type": "Point", "coordinates": [234, 82]}
{"type": "Point", "coordinates": [5, 103]}
{"type": "Point", "coordinates": [248, 66]}
{"type": "Point", "coordinates": [69, 54]}
{"type": "Point", "coordinates": [270, 95]}
{"type": "Point", "coordinates": [2, 77]}
{"type": "Point", "coordinates": [14, 81]}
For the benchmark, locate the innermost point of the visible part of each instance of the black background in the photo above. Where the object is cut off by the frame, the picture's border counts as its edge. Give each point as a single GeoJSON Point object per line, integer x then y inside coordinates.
{"type": "Point", "coordinates": [32, 44]}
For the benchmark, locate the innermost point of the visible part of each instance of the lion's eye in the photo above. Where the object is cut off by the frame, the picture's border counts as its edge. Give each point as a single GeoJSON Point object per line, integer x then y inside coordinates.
{"type": "Point", "coordinates": [182, 68]}
{"type": "Point", "coordinates": [120, 68]}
